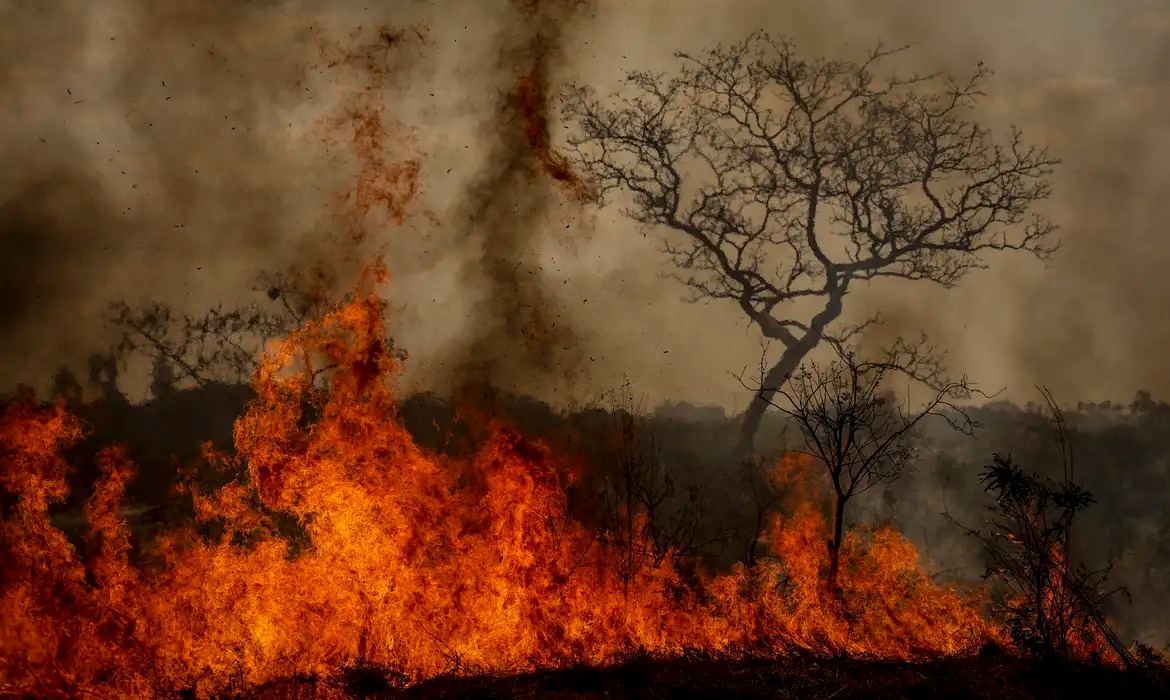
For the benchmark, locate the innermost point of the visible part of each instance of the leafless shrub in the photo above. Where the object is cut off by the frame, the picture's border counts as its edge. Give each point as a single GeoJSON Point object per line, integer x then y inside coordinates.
{"type": "Point", "coordinates": [856, 428]}
{"type": "Point", "coordinates": [644, 514]}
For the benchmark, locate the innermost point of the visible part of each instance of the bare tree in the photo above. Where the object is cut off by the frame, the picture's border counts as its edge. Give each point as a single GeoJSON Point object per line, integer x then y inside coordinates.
{"type": "Point", "coordinates": [784, 182]}
{"type": "Point", "coordinates": [643, 514]}
{"type": "Point", "coordinates": [223, 343]}
{"type": "Point", "coordinates": [861, 433]}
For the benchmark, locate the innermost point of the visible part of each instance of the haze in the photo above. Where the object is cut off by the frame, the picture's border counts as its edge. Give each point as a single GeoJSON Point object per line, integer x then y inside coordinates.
{"type": "Point", "coordinates": [169, 153]}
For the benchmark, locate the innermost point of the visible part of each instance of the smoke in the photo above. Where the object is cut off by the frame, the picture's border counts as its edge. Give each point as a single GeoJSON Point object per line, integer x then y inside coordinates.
{"type": "Point", "coordinates": [519, 336]}
{"type": "Point", "coordinates": [169, 153]}
{"type": "Point", "coordinates": [1087, 78]}
{"type": "Point", "coordinates": [163, 153]}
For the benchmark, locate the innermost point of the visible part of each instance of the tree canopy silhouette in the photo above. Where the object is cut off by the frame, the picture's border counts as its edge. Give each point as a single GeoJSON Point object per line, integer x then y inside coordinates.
{"type": "Point", "coordinates": [785, 182]}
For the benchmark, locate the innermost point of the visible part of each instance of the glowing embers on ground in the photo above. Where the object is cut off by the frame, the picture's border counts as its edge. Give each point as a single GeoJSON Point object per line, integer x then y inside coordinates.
{"type": "Point", "coordinates": [409, 560]}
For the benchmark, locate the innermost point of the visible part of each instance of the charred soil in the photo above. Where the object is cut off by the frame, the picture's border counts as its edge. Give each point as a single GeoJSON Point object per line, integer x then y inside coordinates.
{"type": "Point", "coordinates": [995, 676]}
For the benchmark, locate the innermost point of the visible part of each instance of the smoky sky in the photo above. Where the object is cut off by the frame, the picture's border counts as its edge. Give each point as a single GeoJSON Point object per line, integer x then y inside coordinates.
{"type": "Point", "coordinates": [158, 152]}
{"type": "Point", "coordinates": [169, 151]}
{"type": "Point", "coordinates": [1087, 78]}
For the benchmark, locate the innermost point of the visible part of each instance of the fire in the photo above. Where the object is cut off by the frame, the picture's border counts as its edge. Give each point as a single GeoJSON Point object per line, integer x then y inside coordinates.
{"type": "Point", "coordinates": [530, 100]}
{"type": "Point", "coordinates": [335, 540]}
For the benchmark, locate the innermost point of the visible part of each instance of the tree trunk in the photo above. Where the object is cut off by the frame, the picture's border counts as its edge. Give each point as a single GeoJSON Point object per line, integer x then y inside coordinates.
{"type": "Point", "coordinates": [835, 543]}
{"type": "Point", "coordinates": [773, 381]}
{"type": "Point", "coordinates": [794, 353]}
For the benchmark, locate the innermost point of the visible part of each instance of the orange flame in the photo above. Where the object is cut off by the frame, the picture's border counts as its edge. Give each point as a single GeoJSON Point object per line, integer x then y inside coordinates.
{"type": "Point", "coordinates": [413, 561]}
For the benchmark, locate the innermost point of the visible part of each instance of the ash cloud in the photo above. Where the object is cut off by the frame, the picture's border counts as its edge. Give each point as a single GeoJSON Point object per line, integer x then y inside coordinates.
{"type": "Point", "coordinates": [37, 285]}
{"type": "Point", "coordinates": [170, 152]}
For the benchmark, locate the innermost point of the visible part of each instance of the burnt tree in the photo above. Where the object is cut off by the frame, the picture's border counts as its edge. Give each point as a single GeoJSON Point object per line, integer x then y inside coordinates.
{"type": "Point", "coordinates": [783, 183]}
{"type": "Point", "coordinates": [644, 514]}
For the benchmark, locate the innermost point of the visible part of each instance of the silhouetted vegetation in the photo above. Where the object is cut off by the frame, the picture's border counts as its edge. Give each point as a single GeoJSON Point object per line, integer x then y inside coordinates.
{"type": "Point", "coordinates": [1052, 604]}
{"type": "Point", "coordinates": [641, 501]}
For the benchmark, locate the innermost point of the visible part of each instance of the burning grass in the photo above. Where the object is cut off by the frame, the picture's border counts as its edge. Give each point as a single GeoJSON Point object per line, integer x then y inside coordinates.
{"type": "Point", "coordinates": [417, 563]}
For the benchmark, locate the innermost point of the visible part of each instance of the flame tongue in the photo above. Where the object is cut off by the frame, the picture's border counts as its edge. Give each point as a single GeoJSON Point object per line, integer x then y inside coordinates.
{"type": "Point", "coordinates": [398, 557]}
